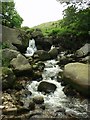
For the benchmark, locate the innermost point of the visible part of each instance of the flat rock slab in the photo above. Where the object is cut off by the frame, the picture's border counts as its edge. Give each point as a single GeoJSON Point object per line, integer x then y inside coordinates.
{"type": "Point", "coordinates": [77, 74]}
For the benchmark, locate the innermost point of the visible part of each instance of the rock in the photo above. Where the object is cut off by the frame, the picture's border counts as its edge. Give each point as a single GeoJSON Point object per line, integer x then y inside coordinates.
{"type": "Point", "coordinates": [69, 91]}
{"type": "Point", "coordinates": [85, 59]}
{"type": "Point", "coordinates": [8, 78]}
{"type": "Point", "coordinates": [76, 74]}
{"type": "Point", "coordinates": [9, 37]}
{"type": "Point", "coordinates": [46, 87]}
{"type": "Point", "coordinates": [43, 55]}
{"type": "Point", "coordinates": [38, 99]}
{"type": "Point", "coordinates": [31, 105]}
{"type": "Point", "coordinates": [39, 66]}
{"type": "Point", "coordinates": [63, 59]}
{"type": "Point", "coordinates": [37, 75]}
{"type": "Point", "coordinates": [8, 55]}
{"type": "Point", "coordinates": [53, 52]}
{"type": "Point", "coordinates": [21, 66]}
{"type": "Point", "coordinates": [83, 51]}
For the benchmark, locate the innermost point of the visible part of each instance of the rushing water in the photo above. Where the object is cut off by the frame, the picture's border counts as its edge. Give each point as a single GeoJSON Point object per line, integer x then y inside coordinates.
{"type": "Point", "coordinates": [75, 106]}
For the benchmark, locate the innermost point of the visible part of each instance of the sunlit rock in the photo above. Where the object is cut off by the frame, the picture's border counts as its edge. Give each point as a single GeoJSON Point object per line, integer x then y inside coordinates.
{"type": "Point", "coordinates": [77, 75]}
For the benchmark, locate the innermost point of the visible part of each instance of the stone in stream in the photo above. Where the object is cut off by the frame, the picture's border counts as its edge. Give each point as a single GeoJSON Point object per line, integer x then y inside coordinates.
{"type": "Point", "coordinates": [38, 99]}
{"type": "Point", "coordinates": [46, 87]}
{"type": "Point", "coordinates": [77, 75]}
{"type": "Point", "coordinates": [42, 55]}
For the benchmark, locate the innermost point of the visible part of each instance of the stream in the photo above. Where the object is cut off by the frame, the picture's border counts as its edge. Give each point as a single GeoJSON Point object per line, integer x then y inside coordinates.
{"type": "Point", "coordinates": [58, 100]}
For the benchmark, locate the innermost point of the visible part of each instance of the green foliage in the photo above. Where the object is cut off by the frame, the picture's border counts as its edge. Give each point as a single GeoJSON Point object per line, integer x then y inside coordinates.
{"type": "Point", "coordinates": [5, 45]}
{"type": "Point", "coordinates": [72, 31]}
{"type": "Point", "coordinates": [10, 17]}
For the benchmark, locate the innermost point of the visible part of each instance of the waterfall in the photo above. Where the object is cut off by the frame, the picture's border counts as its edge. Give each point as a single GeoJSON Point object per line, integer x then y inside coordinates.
{"type": "Point", "coordinates": [31, 48]}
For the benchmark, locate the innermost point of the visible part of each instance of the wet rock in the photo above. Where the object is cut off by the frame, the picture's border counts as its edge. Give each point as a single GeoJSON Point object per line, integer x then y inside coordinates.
{"type": "Point", "coordinates": [69, 91]}
{"type": "Point", "coordinates": [53, 52]}
{"type": "Point", "coordinates": [46, 87]}
{"type": "Point", "coordinates": [8, 78]}
{"type": "Point", "coordinates": [37, 75]}
{"type": "Point", "coordinates": [63, 59]}
{"type": "Point", "coordinates": [76, 74]}
{"type": "Point", "coordinates": [42, 55]}
{"type": "Point", "coordinates": [83, 51]}
{"type": "Point", "coordinates": [39, 66]}
{"type": "Point", "coordinates": [86, 59]}
{"type": "Point", "coordinates": [42, 106]}
{"type": "Point", "coordinates": [31, 105]}
{"type": "Point", "coordinates": [38, 99]}
{"type": "Point", "coordinates": [21, 66]}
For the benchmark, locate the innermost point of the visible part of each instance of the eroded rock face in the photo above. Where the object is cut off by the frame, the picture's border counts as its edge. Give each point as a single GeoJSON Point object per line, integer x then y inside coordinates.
{"type": "Point", "coordinates": [21, 65]}
{"type": "Point", "coordinates": [77, 75]}
{"type": "Point", "coordinates": [46, 87]}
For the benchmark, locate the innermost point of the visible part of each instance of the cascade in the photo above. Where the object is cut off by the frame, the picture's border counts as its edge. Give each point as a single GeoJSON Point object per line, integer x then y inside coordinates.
{"type": "Point", "coordinates": [31, 48]}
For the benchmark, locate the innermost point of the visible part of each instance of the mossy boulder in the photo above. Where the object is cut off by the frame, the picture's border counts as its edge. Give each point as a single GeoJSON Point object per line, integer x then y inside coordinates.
{"type": "Point", "coordinates": [77, 75]}
{"type": "Point", "coordinates": [8, 78]}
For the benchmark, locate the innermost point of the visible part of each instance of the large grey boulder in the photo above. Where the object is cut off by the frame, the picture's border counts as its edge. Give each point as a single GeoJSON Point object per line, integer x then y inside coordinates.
{"type": "Point", "coordinates": [21, 65]}
{"type": "Point", "coordinates": [8, 78]}
{"type": "Point", "coordinates": [77, 75]}
{"type": "Point", "coordinates": [46, 87]}
{"type": "Point", "coordinates": [10, 36]}
{"type": "Point", "coordinates": [42, 55]}
{"type": "Point", "coordinates": [83, 51]}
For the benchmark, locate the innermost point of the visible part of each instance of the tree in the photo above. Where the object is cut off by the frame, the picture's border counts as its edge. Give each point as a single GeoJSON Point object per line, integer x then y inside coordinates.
{"type": "Point", "coordinates": [10, 17]}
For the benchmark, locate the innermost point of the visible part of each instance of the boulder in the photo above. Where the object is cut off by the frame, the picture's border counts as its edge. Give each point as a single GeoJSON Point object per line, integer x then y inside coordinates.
{"type": "Point", "coordinates": [46, 87]}
{"type": "Point", "coordinates": [63, 59]}
{"type": "Point", "coordinates": [53, 52]}
{"type": "Point", "coordinates": [38, 99]}
{"type": "Point", "coordinates": [77, 75]}
{"type": "Point", "coordinates": [83, 51]}
{"type": "Point", "coordinates": [21, 66]}
{"type": "Point", "coordinates": [10, 36]}
{"type": "Point", "coordinates": [85, 59]}
{"type": "Point", "coordinates": [39, 66]}
{"type": "Point", "coordinates": [8, 55]}
{"type": "Point", "coordinates": [8, 78]}
{"type": "Point", "coordinates": [42, 55]}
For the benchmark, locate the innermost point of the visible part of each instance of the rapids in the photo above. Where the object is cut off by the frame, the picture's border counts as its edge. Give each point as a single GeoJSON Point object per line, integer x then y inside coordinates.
{"type": "Point", "coordinates": [56, 100]}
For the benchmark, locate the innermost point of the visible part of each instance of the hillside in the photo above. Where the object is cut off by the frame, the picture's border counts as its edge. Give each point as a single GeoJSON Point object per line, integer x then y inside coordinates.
{"type": "Point", "coordinates": [49, 26]}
